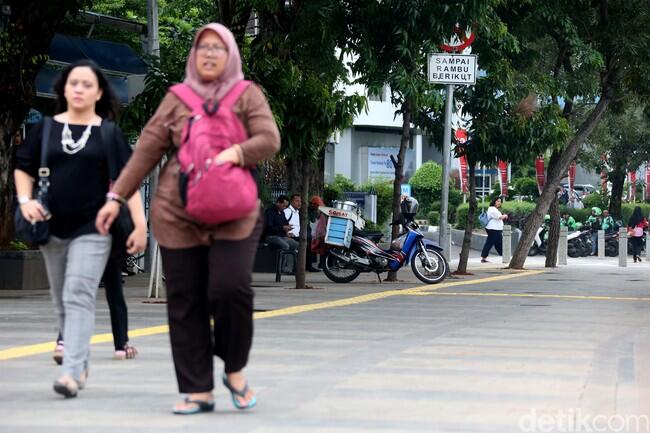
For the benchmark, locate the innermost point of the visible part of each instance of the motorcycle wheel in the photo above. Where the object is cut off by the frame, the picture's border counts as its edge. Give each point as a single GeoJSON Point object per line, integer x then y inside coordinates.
{"type": "Point", "coordinates": [336, 271]}
{"type": "Point", "coordinates": [533, 251]}
{"type": "Point", "coordinates": [573, 252]}
{"type": "Point", "coordinates": [429, 273]}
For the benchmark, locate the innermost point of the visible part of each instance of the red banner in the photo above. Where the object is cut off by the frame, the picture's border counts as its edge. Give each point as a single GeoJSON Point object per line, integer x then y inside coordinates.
{"type": "Point", "coordinates": [539, 171]}
{"type": "Point", "coordinates": [572, 176]}
{"type": "Point", "coordinates": [503, 170]}
{"type": "Point", "coordinates": [464, 178]}
{"type": "Point", "coordinates": [631, 177]}
{"type": "Point", "coordinates": [647, 180]}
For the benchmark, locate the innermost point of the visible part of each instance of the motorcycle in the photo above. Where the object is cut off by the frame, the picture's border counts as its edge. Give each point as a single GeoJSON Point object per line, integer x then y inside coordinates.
{"type": "Point", "coordinates": [344, 264]}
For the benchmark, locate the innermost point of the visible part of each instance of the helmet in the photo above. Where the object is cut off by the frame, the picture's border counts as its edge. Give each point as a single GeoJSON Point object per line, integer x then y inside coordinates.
{"type": "Point", "coordinates": [596, 210]}
{"type": "Point", "coordinates": [409, 207]}
{"type": "Point", "coordinates": [547, 217]}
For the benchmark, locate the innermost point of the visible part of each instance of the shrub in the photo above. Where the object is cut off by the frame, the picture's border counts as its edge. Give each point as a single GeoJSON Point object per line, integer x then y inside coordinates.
{"type": "Point", "coordinates": [427, 185]}
{"type": "Point", "coordinates": [335, 190]}
{"type": "Point", "coordinates": [526, 186]}
{"type": "Point", "coordinates": [596, 199]}
{"type": "Point", "coordinates": [433, 217]}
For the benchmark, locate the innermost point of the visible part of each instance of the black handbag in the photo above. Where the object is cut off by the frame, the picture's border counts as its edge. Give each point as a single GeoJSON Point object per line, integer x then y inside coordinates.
{"type": "Point", "coordinates": [37, 233]}
{"type": "Point", "coordinates": [123, 225]}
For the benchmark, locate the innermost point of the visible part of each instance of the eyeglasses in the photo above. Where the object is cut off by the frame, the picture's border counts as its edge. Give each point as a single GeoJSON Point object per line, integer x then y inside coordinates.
{"type": "Point", "coordinates": [217, 49]}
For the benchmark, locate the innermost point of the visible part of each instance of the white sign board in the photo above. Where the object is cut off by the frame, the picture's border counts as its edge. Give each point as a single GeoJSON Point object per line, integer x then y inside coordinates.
{"type": "Point", "coordinates": [452, 68]}
{"type": "Point", "coordinates": [380, 165]}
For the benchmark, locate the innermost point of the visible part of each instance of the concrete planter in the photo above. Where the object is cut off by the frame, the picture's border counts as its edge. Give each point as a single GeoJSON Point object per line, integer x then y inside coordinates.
{"type": "Point", "coordinates": [22, 270]}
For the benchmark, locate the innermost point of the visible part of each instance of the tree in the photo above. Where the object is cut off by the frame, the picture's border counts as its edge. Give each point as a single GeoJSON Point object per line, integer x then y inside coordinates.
{"type": "Point", "coordinates": [596, 64]}
{"type": "Point", "coordinates": [390, 41]}
{"type": "Point", "coordinates": [25, 36]}
{"type": "Point", "coordinates": [294, 58]}
{"type": "Point", "coordinates": [622, 137]}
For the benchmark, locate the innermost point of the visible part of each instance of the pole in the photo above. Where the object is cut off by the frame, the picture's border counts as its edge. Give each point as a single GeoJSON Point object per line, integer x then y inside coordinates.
{"type": "Point", "coordinates": [446, 154]}
{"type": "Point", "coordinates": [153, 49]}
{"type": "Point", "coordinates": [507, 243]}
{"type": "Point", "coordinates": [622, 247]}
{"type": "Point", "coordinates": [601, 244]}
{"type": "Point", "coordinates": [563, 246]}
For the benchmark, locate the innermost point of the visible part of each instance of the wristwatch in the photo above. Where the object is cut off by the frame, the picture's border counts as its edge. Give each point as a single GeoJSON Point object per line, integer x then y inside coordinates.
{"type": "Point", "coordinates": [22, 199]}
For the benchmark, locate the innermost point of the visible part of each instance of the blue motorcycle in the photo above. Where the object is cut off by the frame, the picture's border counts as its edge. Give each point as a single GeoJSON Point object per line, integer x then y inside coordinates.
{"type": "Point", "coordinates": [343, 265]}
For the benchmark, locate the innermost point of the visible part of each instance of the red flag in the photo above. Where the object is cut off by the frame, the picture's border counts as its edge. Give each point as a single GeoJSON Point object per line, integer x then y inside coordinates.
{"type": "Point", "coordinates": [503, 170]}
{"type": "Point", "coordinates": [632, 180]}
{"type": "Point", "coordinates": [539, 171]}
{"type": "Point", "coordinates": [647, 180]}
{"type": "Point", "coordinates": [572, 175]}
{"type": "Point", "coordinates": [464, 178]}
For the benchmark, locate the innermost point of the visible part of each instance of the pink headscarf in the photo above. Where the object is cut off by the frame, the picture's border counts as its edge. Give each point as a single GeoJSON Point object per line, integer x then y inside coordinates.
{"type": "Point", "coordinates": [231, 74]}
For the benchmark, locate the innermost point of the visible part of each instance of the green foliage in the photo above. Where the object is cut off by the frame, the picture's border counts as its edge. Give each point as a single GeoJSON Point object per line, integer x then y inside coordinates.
{"type": "Point", "coordinates": [526, 186]}
{"type": "Point", "coordinates": [433, 217]}
{"type": "Point", "coordinates": [427, 185]}
{"type": "Point", "coordinates": [335, 190]}
{"type": "Point", "coordinates": [18, 245]}
{"type": "Point", "coordinates": [596, 199]}
{"type": "Point", "coordinates": [580, 215]}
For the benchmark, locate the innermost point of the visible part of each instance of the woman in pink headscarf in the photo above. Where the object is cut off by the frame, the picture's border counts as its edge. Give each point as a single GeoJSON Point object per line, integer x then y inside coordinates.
{"type": "Point", "coordinates": [207, 267]}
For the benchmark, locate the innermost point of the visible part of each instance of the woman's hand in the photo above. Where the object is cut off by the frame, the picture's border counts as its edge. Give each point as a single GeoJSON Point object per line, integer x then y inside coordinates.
{"type": "Point", "coordinates": [137, 241]}
{"type": "Point", "coordinates": [228, 155]}
{"type": "Point", "coordinates": [106, 216]}
{"type": "Point", "coordinates": [504, 217]}
{"type": "Point", "coordinates": [33, 211]}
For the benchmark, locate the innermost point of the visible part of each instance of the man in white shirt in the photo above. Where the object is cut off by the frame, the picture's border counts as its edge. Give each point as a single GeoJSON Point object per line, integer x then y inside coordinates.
{"type": "Point", "coordinates": [292, 214]}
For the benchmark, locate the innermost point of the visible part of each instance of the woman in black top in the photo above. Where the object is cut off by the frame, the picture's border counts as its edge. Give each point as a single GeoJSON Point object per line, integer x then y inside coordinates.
{"type": "Point", "coordinates": [81, 168]}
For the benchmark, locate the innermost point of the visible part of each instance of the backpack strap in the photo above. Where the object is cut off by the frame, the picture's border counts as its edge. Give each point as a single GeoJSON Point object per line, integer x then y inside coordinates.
{"type": "Point", "coordinates": [233, 94]}
{"type": "Point", "coordinates": [196, 103]}
{"type": "Point", "coordinates": [188, 96]}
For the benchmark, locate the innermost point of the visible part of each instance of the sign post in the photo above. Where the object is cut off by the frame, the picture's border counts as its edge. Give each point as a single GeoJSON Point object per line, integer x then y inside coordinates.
{"type": "Point", "coordinates": [450, 69]}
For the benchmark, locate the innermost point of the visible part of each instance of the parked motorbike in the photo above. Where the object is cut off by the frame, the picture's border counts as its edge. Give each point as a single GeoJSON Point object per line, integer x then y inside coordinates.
{"type": "Point", "coordinates": [343, 265]}
{"type": "Point", "coordinates": [539, 243]}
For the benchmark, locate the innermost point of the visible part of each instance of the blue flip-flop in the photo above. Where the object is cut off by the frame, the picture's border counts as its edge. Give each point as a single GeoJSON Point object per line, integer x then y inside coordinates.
{"type": "Point", "coordinates": [234, 393]}
{"type": "Point", "coordinates": [201, 406]}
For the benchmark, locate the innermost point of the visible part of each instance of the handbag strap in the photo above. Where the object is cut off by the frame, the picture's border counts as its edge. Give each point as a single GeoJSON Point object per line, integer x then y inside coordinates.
{"type": "Point", "coordinates": [44, 171]}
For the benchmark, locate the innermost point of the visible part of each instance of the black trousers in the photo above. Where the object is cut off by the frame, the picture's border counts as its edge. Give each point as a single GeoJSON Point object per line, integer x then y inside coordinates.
{"type": "Point", "coordinates": [203, 283]}
{"type": "Point", "coordinates": [494, 239]}
{"type": "Point", "coordinates": [112, 279]}
{"type": "Point", "coordinates": [637, 245]}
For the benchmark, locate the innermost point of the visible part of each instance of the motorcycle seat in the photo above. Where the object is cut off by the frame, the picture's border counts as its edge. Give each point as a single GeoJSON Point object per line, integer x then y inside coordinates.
{"type": "Point", "coordinates": [374, 236]}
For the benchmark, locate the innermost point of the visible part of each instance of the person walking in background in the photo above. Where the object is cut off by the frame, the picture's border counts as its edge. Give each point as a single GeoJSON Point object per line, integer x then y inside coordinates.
{"type": "Point", "coordinates": [81, 168]}
{"type": "Point", "coordinates": [494, 229]}
{"type": "Point", "coordinates": [635, 227]}
{"type": "Point", "coordinates": [207, 267]}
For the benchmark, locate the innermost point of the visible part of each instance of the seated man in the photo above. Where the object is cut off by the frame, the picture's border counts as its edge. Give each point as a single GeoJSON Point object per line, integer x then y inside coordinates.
{"type": "Point", "coordinates": [277, 227]}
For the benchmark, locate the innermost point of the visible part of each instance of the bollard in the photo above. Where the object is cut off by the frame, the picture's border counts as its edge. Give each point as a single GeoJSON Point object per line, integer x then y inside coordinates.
{"type": "Point", "coordinates": [562, 246]}
{"type": "Point", "coordinates": [507, 243]}
{"type": "Point", "coordinates": [647, 246]}
{"type": "Point", "coordinates": [601, 244]}
{"type": "Point", "coordinates": [622, 247]}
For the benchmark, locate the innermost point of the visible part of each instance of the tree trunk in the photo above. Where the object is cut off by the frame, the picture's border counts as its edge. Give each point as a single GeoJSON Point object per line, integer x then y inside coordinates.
{"type": "Point", "coordinates": [554, 227]}
{"type": "Point", "coordinates": [399, 174]}
{"type": "Point", "coordinates": [469, 224]}
{"type": "Point", "coordinates": [554, 177]}
{"type": "Point", "coordinates": [306, 165]}
{"type": "Point", "coordinates": [7, 130]}
{"type": "Point", "coordinates": [617, 178]}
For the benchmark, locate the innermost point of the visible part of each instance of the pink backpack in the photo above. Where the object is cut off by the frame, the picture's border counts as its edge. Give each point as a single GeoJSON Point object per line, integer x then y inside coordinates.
{"type": "Point", "coordinates": [211, 193]}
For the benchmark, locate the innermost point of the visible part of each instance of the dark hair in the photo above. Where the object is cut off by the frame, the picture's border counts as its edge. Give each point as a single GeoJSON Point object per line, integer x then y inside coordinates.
{"type": "Point", "coordinates": [636, 218]}
{"type": "Point", "coordinates": [494, 200]}
{"type": "Point", "coordinates": [282, 199]}
{"type": "Point", "coordinates": [295, 195]}
{"type": "Point", "coordinates": [106, 107]}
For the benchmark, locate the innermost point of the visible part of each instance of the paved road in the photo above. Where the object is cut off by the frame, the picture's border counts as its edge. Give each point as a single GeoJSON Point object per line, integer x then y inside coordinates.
{"type": "Point", "coordinates": [504, 352]}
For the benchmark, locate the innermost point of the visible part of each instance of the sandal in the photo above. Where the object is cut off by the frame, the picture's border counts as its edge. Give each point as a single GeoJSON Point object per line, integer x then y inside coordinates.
{"type": "Point", "coordinates": [58, 352]}
{"type": "Point", "coordinates": [234, 393]}
{"type": "Point", "coordinates": [129, 352]}
{"type": "Point", "coordinates": [201, 406]}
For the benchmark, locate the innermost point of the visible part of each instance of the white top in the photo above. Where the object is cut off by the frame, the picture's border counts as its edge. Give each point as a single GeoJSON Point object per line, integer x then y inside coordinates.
{"type": "Point", "coordinates": [495, 223]}
{"type": "Point", "coordinates": [293, 217]}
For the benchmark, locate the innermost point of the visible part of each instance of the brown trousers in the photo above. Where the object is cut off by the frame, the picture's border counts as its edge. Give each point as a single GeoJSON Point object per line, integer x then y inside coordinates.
{"type": "Point", "coordinates": [203, 283]}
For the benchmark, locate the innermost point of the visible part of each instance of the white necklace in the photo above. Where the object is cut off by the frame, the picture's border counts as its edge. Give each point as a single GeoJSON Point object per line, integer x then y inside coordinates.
{"type": "Point", "coordinates": [69, 145]}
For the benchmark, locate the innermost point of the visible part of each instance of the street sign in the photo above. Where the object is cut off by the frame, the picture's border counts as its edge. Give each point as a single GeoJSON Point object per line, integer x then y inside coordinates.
{"type": "Point", "coordinates": [406, 189]}
{"type": "Point", "coordinates": [452, 68]}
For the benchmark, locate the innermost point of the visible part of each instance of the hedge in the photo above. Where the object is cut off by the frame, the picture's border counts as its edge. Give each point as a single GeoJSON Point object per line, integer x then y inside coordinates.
{"type": "Point", "coordinates": [516, 211]}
